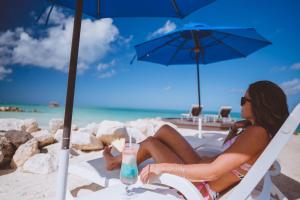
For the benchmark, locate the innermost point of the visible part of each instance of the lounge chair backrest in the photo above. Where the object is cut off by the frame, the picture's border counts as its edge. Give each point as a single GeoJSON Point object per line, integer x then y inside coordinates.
{"type": "Point", "coordinates": [266, 159]}
{"type": "Point", "coordinates": [224, 111]}
{"type": "Point", "coordinates": [196, 110]}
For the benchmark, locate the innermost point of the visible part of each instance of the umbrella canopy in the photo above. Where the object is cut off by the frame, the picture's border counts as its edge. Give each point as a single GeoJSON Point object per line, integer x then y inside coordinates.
{"type": "Point", "coordinates": [200, 44]}
{"type": "Point", "coordinates": [136, 8]}
{"type": "Point", "coordinates": [101, 9]}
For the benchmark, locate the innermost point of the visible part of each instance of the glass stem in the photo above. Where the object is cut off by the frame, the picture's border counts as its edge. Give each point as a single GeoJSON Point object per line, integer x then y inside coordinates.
{"type": "Point", "coordinates": [127, 189]}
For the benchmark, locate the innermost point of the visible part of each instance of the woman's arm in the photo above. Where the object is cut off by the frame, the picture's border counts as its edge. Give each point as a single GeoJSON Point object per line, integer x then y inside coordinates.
{"type": "Point", "coordinates": [247, 145]}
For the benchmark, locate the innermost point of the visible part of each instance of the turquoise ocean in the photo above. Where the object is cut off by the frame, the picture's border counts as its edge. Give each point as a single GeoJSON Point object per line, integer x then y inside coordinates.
{"type": "Point", "coordinates": [84, 115]}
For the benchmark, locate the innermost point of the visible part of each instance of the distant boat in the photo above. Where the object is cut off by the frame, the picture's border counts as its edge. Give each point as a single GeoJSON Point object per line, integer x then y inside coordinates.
{"type": "Point", "coordinates": [53, 104]}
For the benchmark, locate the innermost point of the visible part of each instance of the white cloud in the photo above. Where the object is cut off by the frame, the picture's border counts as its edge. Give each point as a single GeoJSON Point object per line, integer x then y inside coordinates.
{"type": "Point", "coordinates": [291, 87]}
{"type": "Point", "coordinates": [107, 74]}
{"type": "Point", "coordinates": [279, 69]}
{"type": "Point", "coordinates": [168, 88]}
{"type": "Point", "coordinates": [104, 66]}
{"type": "Point", "coordinates": [296, 66]}
{"type": "Point", "coordinates": [52, 50]}
{"type": "Point", "coordinates": [168, 27]}
{"type": "Point", "coordinates": [4, 72]}
{"type": "Point", "coordinates": [105, 69]}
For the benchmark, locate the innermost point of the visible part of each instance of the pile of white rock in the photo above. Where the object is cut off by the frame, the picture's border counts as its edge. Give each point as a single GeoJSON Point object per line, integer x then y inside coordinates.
{"type": "Point", "coordinates": [25, 146]}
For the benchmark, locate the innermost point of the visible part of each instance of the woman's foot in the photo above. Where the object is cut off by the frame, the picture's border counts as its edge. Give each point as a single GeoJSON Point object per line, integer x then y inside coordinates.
{"type": "Point", "coordinates": [111, 161]}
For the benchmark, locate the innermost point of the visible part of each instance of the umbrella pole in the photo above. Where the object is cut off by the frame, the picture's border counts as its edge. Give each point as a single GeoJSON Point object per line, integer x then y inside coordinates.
{"type": "Point", "coordinates": [198, 82]}
{"type": "Point", "coordinates": [199, 101]}
{"type": "Point", "coordinates": [64, 155]}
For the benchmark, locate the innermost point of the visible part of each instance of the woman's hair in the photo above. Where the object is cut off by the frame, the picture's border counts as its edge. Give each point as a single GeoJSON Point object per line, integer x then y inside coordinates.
{"type": "Point", "coordinates": [269, 105]}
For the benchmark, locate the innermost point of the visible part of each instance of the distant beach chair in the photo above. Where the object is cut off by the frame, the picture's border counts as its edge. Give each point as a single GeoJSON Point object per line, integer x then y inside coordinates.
{"type": "Point", "coordinates": [224, 112]}
{"type": "Point", "coordinates": [194, 112]}
{"type": "Point", "coordinates": [245, 190]}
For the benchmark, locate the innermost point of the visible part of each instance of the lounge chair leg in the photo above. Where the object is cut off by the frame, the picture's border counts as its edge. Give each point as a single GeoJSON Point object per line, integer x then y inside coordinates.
{"type": "Point", "coordinates": [277, 193]}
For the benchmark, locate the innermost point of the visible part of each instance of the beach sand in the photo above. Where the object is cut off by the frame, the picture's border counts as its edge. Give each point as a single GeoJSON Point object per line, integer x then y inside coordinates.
{"type": "Point", "coordinates": [18, 185]}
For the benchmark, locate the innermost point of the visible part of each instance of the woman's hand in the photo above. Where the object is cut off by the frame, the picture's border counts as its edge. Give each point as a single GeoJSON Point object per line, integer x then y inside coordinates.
{"type": "Point", "coordinates": [150, 170]}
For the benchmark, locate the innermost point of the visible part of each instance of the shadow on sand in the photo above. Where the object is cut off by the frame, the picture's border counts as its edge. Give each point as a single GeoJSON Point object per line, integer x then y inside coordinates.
{"type": "Point", "coordinates": [288, 186]}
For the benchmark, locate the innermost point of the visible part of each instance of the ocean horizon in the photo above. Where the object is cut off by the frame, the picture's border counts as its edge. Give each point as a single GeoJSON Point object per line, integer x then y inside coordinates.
{"type": "Point", "coordinates": [83, 115]}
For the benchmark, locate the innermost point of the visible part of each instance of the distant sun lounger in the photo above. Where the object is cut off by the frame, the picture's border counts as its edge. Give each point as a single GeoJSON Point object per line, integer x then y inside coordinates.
{"type": "Point", "coordinates": [194, 112]}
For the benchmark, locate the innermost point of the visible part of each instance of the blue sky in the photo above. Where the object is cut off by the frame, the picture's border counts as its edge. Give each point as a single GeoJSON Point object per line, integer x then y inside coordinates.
{"type": "Point", "coordinates": [34, 57]}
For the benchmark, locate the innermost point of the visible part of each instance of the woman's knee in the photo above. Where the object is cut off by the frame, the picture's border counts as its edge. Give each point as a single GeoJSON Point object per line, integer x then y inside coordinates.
{"type": "Point", "coordinates": [163, 129]}
{"type": "Point", "coordinates": [150, 141]}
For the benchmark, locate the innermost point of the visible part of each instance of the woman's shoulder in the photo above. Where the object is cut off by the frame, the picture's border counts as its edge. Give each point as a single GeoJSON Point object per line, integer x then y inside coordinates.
{"type": "Point", "coordinates": [256, 130]}
{"type": "Point", "coordinates": [256, 134]}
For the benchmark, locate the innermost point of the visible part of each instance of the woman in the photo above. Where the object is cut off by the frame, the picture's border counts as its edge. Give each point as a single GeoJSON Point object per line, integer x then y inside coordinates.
{"type": "Point", "coordinates": [264, 108]}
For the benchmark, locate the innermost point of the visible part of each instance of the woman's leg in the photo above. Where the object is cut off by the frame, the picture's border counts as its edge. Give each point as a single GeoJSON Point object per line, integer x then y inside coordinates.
{"type": "Point", "coordinates": [170, 137]}
{"type": "Point", "coordinates": [151, 147]}
{"type": "Point", "coordinates": [166, 135]}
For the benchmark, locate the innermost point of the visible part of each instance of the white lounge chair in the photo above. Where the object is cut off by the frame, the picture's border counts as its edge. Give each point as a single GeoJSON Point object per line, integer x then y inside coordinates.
{"type": "Point", "coordinates": [225, 111]}
{"type": "Point", "coordinates": [245, 190]}
{"type": "Point", "coordinates": [194, 112]}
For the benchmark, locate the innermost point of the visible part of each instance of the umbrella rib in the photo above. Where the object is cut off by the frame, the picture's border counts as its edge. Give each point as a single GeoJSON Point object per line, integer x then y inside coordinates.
{"type": "Point", "coordinates": [202, 52]}
{"type": "Point", "coordinates": [220, 41]}
{"type": "Point", "coordinates": [174, 3]}
{"type": "Point", "coordinates": [265, 41]}
{"type": "Point", "coordinates": [177, 50]}
{"type": "Point", "coordinates": [160, 46]}
{"type": "Point", "coordinates": [98, 8]}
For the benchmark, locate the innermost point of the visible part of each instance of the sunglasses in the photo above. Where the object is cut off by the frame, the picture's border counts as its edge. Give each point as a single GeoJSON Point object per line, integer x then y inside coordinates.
{"type": "Point", "coordinates": [243, 100]}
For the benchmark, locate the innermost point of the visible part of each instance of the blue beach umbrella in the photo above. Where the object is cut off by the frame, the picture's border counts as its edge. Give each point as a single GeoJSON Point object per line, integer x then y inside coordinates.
{"type": "Point", "coordinates": [136, 8]}
{"type": "Point", "coordinates": [101, 9]}
{"type": "Point", "coordinates": [200, 44]}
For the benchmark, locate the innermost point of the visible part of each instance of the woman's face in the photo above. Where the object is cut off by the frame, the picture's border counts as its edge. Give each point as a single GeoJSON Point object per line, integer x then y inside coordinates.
{"type": "Point", "coordinates": [246, 110]}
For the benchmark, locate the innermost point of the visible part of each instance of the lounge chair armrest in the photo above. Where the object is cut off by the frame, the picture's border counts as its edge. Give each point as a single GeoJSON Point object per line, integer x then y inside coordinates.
{"type": "Point", "coordinates": [275, 169]}
{"type": "Point", "coordinates": [184, 186]}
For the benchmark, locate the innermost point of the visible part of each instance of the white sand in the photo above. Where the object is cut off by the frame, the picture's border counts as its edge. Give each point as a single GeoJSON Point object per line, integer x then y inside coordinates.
{"type": "Point", "coordinates": [25, 186]}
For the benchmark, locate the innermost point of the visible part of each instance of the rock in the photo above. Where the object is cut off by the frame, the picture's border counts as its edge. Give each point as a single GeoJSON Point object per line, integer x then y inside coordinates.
{"type": "Point", "coordinates": [136, 134]}
{"type": "Point", "coordinates": [44, 138]}
{"type": "Point", "coordinates": [81, 140]}
{"type": "Point", "coordinates": [24, 152]}
{"type": "Point", "coordinates": [85, 141]}
{"type": "Point", "coordinates": [53, 104]}
{"type": "Point", "coordinates": [107, 135]}
{"type": "Point", "coordinates": [110, 130]}
{"type": "Point", "coordinates": [41, 164]}
{"type": "Point", "coordinates": [90, 128]}
{"type": "Point", "coordinates": [55, 124]}
{"type": "Point", "coordinates": [58, 135]}
{"type": "Point", "coordinates": [144, 126]}
{"type": "Point", "coordinates": [1, 157]}
{"type": "Point", "coordinates": [17, 138]}
{"type": "Point", "coordinates": [53, 149]}
{"type": "Point", "coordinates": [12, 124]}
{"type": "Point", "coordinates": [74, 127]}
{"type": "Point", "coordinates": [31, 125]}
{"type": "Point", "coordinates": [28, 125]}
{"type": "Point", "coordinates": [7, 151]}
{"type": "Point", "coordinates": [10, 109]}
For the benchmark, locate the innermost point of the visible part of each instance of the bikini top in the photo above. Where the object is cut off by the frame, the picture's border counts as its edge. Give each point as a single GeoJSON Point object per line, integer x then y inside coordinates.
{"type": "Point", "coordinates": [245, 166]}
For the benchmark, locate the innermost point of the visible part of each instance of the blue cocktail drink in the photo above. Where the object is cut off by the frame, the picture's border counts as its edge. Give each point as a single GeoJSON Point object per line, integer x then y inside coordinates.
{"type": "Point", "coordinates": [129, 170]}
